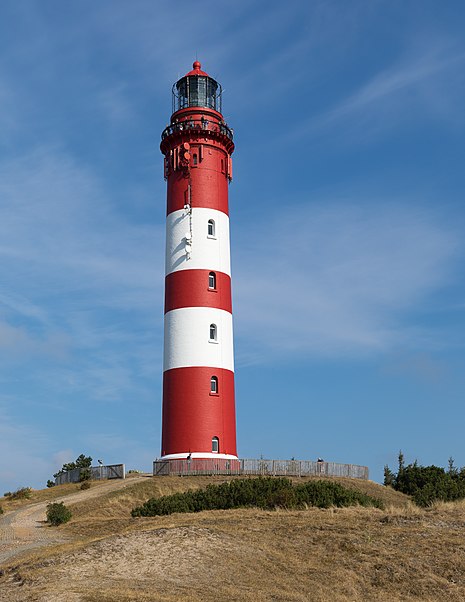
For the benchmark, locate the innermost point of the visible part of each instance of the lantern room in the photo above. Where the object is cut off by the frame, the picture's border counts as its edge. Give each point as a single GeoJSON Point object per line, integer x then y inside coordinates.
{"type": "Point", "coordinates": [197, 89]}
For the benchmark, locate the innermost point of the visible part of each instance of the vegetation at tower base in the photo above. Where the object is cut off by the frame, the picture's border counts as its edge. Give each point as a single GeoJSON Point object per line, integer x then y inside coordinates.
{"type": "Point", "coordinates": [263, 492]}
{"type": "Point", "coordinates": [427, 484]}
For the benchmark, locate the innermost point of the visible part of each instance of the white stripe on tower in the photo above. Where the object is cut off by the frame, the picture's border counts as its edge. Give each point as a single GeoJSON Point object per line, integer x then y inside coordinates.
{"type": "Point", "coordinates": [187, 338]}
{"type": "Point", "coordinates": [208, 252]}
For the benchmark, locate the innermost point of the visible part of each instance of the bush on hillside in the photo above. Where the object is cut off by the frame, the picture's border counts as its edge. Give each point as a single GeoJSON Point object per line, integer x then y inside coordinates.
{"type": "Point", "coordinates": [85, 485]}
{"type": "Point", "coordinates": [264, 492]}
{"type": "Point", "coordinates": [58, 513]}
{"type": "Point", "coordinates": [1, 510]}
{"type": "Point", "coordinates": [50, 483]}
{"type": "Point", "coordinates": [23, 493]}
{"type": "Point", "coordinates": [427, 484]}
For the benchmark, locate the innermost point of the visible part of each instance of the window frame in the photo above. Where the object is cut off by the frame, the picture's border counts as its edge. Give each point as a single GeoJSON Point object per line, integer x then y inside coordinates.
{"type": "Point", "coordinates": [213, 329]}
{"type": "Point", "coordinates": [211, 223]}
{"type": "Point", "coordinates": [214, 390]}
{"type": "Point", "coordinates": [212, 278]}
{"type": "Point", "coordinates": [215, 443]}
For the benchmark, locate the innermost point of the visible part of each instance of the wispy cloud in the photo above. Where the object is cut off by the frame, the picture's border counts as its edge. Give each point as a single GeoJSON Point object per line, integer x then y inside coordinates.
{"type": "Point", "coordinates": [338, 278]}
{"type": "Point", "coordinates": [80, 279]}
{"type": "Point", "coordinates": [58, 223]}
{"type": "Point", "coordinates": [115, 104]}
{"type": "Point", "coordinates": [420, 366]}
{"type": "Point", "coordinates": [17, 343]}
{"type": "Point", "coordinates": [22, 451]}
{"type": "Point", "coordinates": [404, 91]}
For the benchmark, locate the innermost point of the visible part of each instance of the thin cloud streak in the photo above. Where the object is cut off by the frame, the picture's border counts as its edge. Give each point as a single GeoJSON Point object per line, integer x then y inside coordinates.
{"type": "Point", "coordinates": [57, 217]}
{"type": "Point", "coordinates": [80, 281]}
{"type": "Point", "coordinates": [18, 458]}
{"type": "Point", "coordinates": [341, 282]}
{"type": "Point", "coordinates": [390, 92]}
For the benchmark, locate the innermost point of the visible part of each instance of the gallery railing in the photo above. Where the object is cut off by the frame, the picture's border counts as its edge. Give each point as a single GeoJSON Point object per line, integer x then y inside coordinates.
{"type": "Point", "coordinates": [290, 468]}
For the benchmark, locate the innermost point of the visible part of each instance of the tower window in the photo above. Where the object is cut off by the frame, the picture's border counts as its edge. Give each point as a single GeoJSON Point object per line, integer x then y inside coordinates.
{"type": "Point", "coordinates": [214, 385]}
{"type": "Point", "coordinates": [195, 159]}
{"type": "Point", "coordinates": [215, 445]}
{"type": "Point", "coordinates": [211, 227]}
{"type": "Point", "coordinates": [212, 280]}
{"type": "Point", "coordinates": [213, 332]}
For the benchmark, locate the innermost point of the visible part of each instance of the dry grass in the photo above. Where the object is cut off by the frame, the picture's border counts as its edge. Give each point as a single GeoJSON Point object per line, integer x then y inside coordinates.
{"type": "Point", "coordinates": [401, 553]}
{"type": "Point", "coordinates": [458, 506]}
{"type": "Point", "coordinates": [39, 495]}
{"type": "Point", "coordinates": [45, 495]}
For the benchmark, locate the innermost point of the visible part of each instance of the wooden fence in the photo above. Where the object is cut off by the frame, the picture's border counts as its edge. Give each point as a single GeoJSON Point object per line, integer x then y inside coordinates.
{"type": "Point", "coordinates": [288, 468]}
{"type": "Point", "coordinates": [112, 471]}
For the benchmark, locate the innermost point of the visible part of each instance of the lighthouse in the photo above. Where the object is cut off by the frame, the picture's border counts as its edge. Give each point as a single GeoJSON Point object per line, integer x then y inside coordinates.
{"type": "Point", "coordinates": [199, 419]}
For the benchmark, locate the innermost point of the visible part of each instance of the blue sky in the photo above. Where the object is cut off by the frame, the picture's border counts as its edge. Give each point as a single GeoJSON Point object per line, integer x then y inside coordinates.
{"type": "Point", "coordinates": [347, 219]}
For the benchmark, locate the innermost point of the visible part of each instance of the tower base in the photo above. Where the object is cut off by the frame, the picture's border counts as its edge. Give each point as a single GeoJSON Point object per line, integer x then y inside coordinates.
{"type": "Point", "coordinates": [198, 456]}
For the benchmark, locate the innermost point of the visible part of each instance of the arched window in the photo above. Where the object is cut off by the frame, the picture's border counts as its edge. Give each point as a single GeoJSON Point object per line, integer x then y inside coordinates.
{"type": "Point", "coordinates": [211, 227]}
{"type": "Point", "coordinates": [214, 384]}
{"type": "Point", "coordinates": [215, 445]}
{"type": "Point", "coordinates": [212, 280]}
{"type": "Point", "coordinates": [213, 332]}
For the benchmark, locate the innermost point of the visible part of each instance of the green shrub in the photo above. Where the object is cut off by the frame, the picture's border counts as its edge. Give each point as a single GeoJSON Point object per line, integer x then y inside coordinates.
{"type": "Point", "coordinates": [85, 485]}
{"type": "Point", "coordinates": [58, 513]}
{"type": "Point", "coordinates": [50, 483]}
{"type": "Point", "coordinates": [263, 492]}
{"type": "Point", "coordinates": [23, 493]}
{"type": "Point", "coordinates": [85, 474]}
{"type": "Point", "coordinates": [1, 510]}
{"type": "Point", "coordinates": [81, 461]}
{"type": "Point", "coordinates": [427, 484]}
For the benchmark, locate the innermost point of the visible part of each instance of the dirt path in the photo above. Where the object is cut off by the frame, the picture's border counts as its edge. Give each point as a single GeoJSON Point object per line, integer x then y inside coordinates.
{"type": "Point", "coordinates": [25, 529]}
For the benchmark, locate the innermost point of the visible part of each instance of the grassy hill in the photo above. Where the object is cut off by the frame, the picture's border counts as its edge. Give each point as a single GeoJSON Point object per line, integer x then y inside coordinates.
{"type": "Point", "coordinates": [399, 553]}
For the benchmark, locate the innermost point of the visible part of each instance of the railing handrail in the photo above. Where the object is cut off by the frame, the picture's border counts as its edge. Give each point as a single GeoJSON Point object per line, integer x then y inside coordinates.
{"type": "Point", "coordinates": [262, 466]}
{"type": "Point", "coordinates": [106, 471]}
{"type": "Point", "coordinates": [198, 125]}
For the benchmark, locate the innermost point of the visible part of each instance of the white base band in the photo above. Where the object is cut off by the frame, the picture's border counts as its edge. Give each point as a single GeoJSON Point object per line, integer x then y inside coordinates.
{"type": "Point", "coordinates": [199, 455]}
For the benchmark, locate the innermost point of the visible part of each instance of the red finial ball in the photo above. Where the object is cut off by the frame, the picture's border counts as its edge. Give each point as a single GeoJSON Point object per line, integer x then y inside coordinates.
{"type": "Point", "coordinates": [196, 70]}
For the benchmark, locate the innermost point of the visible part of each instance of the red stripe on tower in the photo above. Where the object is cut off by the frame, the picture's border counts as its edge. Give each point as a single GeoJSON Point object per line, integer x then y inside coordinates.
{"type": "Point", "coordinates": [198, 288]}
{"type": "Point", "coordinates": [198, 373]}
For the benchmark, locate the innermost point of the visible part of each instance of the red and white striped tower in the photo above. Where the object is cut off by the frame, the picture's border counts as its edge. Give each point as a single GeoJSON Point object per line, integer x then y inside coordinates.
{"type": "Point", "coordinates": [199, 419]}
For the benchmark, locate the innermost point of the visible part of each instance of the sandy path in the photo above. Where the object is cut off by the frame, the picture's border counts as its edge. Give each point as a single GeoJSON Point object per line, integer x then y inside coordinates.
{"type": "Point", "coordinates": [25, 529]}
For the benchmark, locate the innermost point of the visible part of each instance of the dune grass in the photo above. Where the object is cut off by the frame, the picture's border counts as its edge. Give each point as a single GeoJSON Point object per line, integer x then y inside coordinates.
{"type": "Point", "coordinates": [398, 553]}
{"type": "Point", "coordinates": [322, 555]}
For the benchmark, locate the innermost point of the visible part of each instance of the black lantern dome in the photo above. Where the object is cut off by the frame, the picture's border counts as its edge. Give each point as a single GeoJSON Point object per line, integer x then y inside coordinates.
{"type": "Point", "coordinates": [197, 89]}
